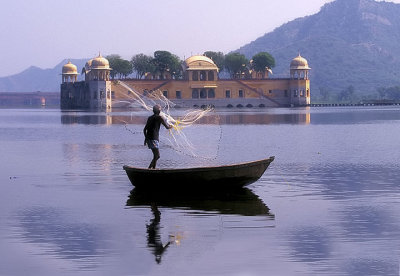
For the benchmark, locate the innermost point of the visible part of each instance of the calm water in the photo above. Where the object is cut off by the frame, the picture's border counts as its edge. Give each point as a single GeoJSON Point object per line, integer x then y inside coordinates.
{"type": "Point", "coordinates": [327, 205]}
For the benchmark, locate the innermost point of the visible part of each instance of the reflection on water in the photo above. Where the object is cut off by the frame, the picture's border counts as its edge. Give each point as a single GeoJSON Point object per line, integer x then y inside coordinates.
{"type": "Point", "coordinates": [241, 202]}
{"type": "Point", "coordinates": [75, 241]}
{"type": "Point", "coordinates": [271, 116]}
{"type": "Point", "coordinates": [86, 119]}
{"type": "Point", "coordinates": [221, 117]}
{"type": "Point", "coordinates": [66, 205]}
{"type": "Point", "coordinates": [153, 235]}
{"type": "Point", "coordinates": [310, 244]}
{"type": "Point", "coordinates": [238, 202]}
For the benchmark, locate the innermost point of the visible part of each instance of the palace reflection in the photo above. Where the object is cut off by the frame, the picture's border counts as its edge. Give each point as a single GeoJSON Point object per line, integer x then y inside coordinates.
{"type": "Point", "coordinates": [214, 118]}
{"type": "Point", "coordinates": [86, 119]}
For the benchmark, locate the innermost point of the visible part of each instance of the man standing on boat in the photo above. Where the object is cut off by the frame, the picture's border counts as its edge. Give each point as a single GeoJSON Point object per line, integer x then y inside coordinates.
{"type": "Point", "coordinates": [151, 134]}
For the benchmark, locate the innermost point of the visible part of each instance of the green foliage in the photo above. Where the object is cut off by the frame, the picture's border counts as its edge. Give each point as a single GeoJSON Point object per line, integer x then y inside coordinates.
{"type": "Point", "coordinates": [125, 68]}
{"type": "Point", "coordinates": [142, 64]}
{"type": "Point", "coordinates": [236, 64]}
{"type": "Point", "coordinates": [164, 62]}
{"type": "Point", "coordinates": [217, 57]}
{"type": "Point", "coordinates": [120, 67]}
{"type": "Point", "coordinates": [176, 67]}
{"type": "Point", "coordinates": [263, 60]}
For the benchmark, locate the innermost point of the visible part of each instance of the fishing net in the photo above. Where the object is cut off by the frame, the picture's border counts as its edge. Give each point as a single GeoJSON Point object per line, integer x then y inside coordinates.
{"type": "Point", "coordinates": [177, 139]}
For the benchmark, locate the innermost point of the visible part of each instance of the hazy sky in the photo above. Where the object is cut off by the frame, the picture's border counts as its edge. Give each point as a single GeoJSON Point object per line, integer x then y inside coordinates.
{"type": "Point", "coordinates": [44, 32]}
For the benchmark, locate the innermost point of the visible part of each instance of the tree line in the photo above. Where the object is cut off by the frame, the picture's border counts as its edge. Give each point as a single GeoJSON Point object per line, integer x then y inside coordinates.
{"type": "Point", "coordinates": [236, 64]}
{"type": "Point", "coordinates": [350, 95]}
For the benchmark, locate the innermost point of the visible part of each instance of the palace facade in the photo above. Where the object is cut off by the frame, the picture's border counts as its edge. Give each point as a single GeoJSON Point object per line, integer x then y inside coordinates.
{"type": "Point", "coordinates": [199, 87]}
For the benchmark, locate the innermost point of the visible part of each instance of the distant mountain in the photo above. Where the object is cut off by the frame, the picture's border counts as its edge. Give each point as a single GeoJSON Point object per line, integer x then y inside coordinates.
{"type": "Point", "coordinates": [36, 79]}
{"type": "Point", "coordinates": [349, 42]}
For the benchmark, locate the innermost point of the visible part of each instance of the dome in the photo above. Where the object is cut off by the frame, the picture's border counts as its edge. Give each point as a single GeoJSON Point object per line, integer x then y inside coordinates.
{"type": "Point", "coordinates": [99, 63]}
{"type": "Point", "coordinates": [199, 63]}
{"type": "Point", "coordinates": [69, 69]}
{"type": "Point", "coordinates": [299, 63]}
{"type": "Point", "coordinates": [88, 64]}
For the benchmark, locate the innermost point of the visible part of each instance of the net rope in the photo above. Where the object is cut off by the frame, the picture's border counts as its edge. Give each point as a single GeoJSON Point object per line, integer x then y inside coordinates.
{"type": "Point", "coordinates": [177, 139]}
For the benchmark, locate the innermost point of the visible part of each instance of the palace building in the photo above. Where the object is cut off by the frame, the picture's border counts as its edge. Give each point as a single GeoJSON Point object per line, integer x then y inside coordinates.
{"type": "Point", "coordinates": [93, 93]}
{"type": "Point", "coordinates": [199, 87]}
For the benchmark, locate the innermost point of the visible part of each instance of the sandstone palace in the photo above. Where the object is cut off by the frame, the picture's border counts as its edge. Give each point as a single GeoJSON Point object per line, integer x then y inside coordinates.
{"type": "Point", "coordinates": [199, 87]}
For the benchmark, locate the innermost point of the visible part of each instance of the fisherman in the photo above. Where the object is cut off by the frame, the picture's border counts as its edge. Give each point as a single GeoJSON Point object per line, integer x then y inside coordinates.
{"type": "Point", "coordinates": [151, 134]}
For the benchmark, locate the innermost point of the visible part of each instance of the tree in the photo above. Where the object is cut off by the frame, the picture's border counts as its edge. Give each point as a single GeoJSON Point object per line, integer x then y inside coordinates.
{"type": "Point", "coordinates": [125, 68]}
{"type": "Point", "coordinates": [393, 93]}
{"type": "Point", "coordinates": [263, 60]}
{"type": "Point", "coordinates": [381, 92]}
{"type": "Point", "coordinates": [114, 61]}
{"type": "Point", "coordinates": [119, 66]}
{"type": "Point", "coordinates": [347, 95]}
{"type": "Point", "coordinates": [236, 64]}
{"type": "Point", "coordinates": [325, 93]}
{"type": "Point", "coordinates": [217, 57]}
{"type": "Point", "coordinates": [176, 67]}
{"type": "Point", "coordinates": [164, 62]}
{"type": "Point", "coordinates": [142, 64]}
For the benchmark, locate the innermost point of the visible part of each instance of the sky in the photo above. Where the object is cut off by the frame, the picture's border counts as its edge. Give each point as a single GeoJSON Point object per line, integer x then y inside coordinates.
{"type": "Point", "coordinates": [42, 33]}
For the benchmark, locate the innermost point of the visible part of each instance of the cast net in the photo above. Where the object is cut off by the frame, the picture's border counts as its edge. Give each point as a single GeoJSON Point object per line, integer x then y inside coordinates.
{"type": "Point", "coordinates": [177, 139]}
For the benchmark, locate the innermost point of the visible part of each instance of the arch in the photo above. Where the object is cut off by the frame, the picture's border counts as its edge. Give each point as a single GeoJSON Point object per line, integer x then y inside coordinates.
{"type": "Point", "coordinates": [203, 75]}
{"type": "Point", "coordinates": [249, 105]}
{"type": "Point", "coordinates": [239, 106]}
{"type": "Point", "coordinates": [195, 75]}
{"type": "Point", "coordinates": [210, 75]}
{"type": "Point", "coordinates": [211, 93]}
{"type": "Point", "coordinates": [229, 106]}
{"type": "Point", "coordinates": [261, 105]}
{"type": "Point", "coordinates": [195, 94]}
{"type": "Point", "coordinates": [203, 93]}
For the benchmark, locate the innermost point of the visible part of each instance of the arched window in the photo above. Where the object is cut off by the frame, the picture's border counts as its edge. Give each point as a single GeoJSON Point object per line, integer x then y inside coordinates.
{"type": "Point", "coordinates": [195, 94]}
{"type": "Point", "coordinates": [203, 94]}
{"type": "Point", "coordinates": [195, 76]}
{"type": "Point", "coordinates": [211, 93]}
{"type": "Point", "coordinates": [210, 75]}
{"type": "Point", "coordinates": [202, 75]}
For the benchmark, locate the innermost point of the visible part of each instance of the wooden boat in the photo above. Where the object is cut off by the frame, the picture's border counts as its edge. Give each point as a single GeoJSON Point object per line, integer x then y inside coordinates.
{"type": "Point", "coordinates": [230, 176]}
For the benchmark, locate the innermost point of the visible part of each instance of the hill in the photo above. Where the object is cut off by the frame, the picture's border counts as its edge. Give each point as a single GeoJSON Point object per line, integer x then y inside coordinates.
{"type": "Point", "coordinates": [349, 42]}
{"type": "Point", "coordinates": [36, 79]}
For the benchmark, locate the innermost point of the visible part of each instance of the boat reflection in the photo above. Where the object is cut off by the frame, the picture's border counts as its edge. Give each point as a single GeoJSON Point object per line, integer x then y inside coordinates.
{"type": "Point", "coordinates": [236, 202]}
{"type": "Point", "coordinates": [241, 202]}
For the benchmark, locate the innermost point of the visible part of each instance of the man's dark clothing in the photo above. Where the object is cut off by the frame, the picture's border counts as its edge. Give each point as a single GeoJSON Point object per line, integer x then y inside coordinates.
{"type": "Point", "coordinates": [152, 128]}
{"type": "Point", "coordinates": [151, 133]}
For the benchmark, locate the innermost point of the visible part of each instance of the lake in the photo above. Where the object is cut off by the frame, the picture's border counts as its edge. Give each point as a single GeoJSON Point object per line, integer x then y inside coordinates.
{"type": "Point", "coordinates": [327, 205]}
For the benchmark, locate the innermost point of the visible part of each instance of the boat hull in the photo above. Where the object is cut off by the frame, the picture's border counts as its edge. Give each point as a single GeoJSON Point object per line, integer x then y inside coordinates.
{"type": "Point", "coordinates": [237, 175]}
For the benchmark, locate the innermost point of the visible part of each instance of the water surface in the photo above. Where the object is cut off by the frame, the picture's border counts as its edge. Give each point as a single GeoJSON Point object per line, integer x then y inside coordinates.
{"type": "Point", "coordinates": [327, 205]}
